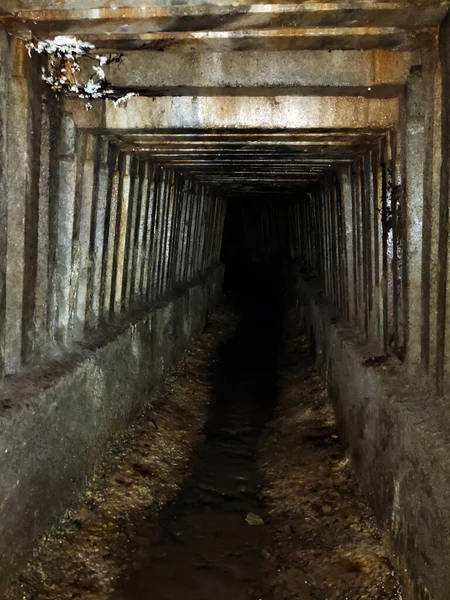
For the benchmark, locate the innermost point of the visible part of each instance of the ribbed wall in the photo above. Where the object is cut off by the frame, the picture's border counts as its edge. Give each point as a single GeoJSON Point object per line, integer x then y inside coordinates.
{"type": "Point", "coordinates": [91, 231]}
{"type": "Point", "coordinates": [348, 229]}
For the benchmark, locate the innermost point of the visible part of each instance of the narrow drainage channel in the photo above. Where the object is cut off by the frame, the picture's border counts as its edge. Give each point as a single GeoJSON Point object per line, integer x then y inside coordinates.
{"type": "Point", "coordinates": [210, 539]}
{"type": "Point", "coordinates": [234, 487]}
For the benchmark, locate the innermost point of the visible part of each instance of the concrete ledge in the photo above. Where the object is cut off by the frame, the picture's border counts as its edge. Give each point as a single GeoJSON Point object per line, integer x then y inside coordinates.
{"type": "Point", "coordinates": [398, 439]}
{"type": "Point", "coordinates": [55, 425]}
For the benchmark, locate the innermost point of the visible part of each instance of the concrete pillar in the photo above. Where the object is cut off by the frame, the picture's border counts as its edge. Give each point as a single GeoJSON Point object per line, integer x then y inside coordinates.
{"type": "Point", "coordinates": [325, 237]}
{"type": "Point", "coordinates": [159, 233]}
{"type": "Point", "coordinates": [377, 316]}
{"type": "Point", "coordinates": [111, 240]}
{"type": "Point", "coordinates": [442, 334]}
{"type": "Point", "coordinates": [69, 154]}
{"type": "Point", "coordinates": [415, 158]}
{"type": "Point", "coordinates": [176, 248]}
{"type": "Point", "coordinates": [317, 228]}
{"type": "Point", "coordinates": [124, 196]}
{"type": "Point", "coordinates": [201, 230]}
{"type": "Point", "coordinates": [367, 242]}
{"type": "Point", "coordinates": [5, 68]}
{"type": "Point", "coordinates": [183, 235]}
{"type": "Point", "coordinates": [189, 230]}
{"type": "Point", "coordinates": [97, 239]}
{"type": "Point", "coordinates": [329, 239]}
{"type": "Point", "coordinates": [170, 231]}
{"type": "Point", "coordinates": [359, 245]}
{"type": "Point", "coordinates": [17, 193]}
{"type": "Point", "coordinates": [151, 231]}
{"type": "Point", "coordinates": [349, 252]}
{"type": "Point", "coordinates": [42, 290]}
{"type": "Point", "coordinates": [385, 271]}
{"type": "Point", "coordinates": [154, 232]}
{"type": "Point", "coordinates": [390, 171]}
{"type": "Point", "coordinates": [430, 263]}
{"type": "Point", "coordinates": [211, 227]}
{"type": "Point", "coordinates": [141, 227]}
{"type": "Point", "coordinates": [165, 191]}
{"type": "Point", "coordinates": [132, 226]}
{"type": "Point", "coordinates": [80, 268]}
{"type": "Point", "coordinates": [341, 261]}
{"type": "Point", "coordinates": [194, 236]}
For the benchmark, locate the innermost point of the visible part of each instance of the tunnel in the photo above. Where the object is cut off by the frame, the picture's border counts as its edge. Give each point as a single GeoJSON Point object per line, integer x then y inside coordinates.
{"type": "Point", "coordinates": [223, 300]}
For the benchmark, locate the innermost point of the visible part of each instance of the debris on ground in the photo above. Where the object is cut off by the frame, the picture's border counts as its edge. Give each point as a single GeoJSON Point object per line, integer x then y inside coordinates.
{"type": "Point", "coordinates": [237, 435]}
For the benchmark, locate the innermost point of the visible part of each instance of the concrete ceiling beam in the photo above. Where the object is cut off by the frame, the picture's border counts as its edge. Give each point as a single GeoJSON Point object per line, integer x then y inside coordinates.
{"type": "Point", "coordinates": [86, 16]}
{"type": "Point", "coordinates": [259, 73]}
{"type": "Point", "coordinates": [222, 112]}
{"type": "Point", "coordinates": [300, 38]}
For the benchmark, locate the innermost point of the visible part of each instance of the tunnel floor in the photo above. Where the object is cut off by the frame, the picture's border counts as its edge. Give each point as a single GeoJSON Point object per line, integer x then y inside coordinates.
{"type": "Point", "coordinates": [233, 485]}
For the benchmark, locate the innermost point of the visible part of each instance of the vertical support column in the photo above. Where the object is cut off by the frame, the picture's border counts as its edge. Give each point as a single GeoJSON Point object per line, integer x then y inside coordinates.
{"type": "Point", "coordinates": [189, 230]}
{"type": "Point", "coordinates": [220, 227]}
{"type": "Point", "coordinates": [442, 333]}
{"type": "Point", "coordinates": [176, 232]}
{"type": "Point", "coordinates": [326, 251]}
{"type": "Point", "coordinates": [415, 158]}
{"type": "Point", "coordinates": [141, 230]}
{"type": "Point", "coordinates": [149, 234]}
{"type": "Point", "coordinates": [182, 235]}
{"type": "Point", "coordinates": [17, 172]}
{"type": "Point", "coordinates": [367, 232]}
{"type": "Point", "coordinates": [202, 229]}
{"type": "Point", "coordinates": [153, 272]}
{"type": "Point", "coordinates": [122, 217]}
{"type": "Point", "coordinates": [330, 232]}
{"type": "Point", "coordinates": [108, 279]}
{"type": "Point", "coordinates": [387, 244]}
{"type": "Point", "coordinates": [312, 231]}
{"type": "Point", "coordinates": [5, 68]}
{"type": "Point", "coordinates": [170, 231]}
{"type": "Point", "coordinates": [97, 240]}
{"type": "Point", "coordinates": [194, 228]}
{"type": "Point", "coordinates": [161, 237]}
{"type": "Point", "coordinates": [65, 219]}
{"type": "Point", "coordinates": [197, 231]}
{"type": "Point", "coordinates": [377, 208]}
{"type": "Point", "coordinates": [341, 255]}
{"type": "Point", "coordinates": [42, 294]}
{"type": "Point", "coordinates": [333, 243]}
{"type": "Point", "coordinates": [433, 86]}
{"type": "Point", "coordinates": [130, 246]}
{"type": "Point", "coordinates": [211, 227]}
{"type": "Point", "coordinates": [349, 252]}
{"type": "Point", "coordinates": [318, 228]}
{"type": "Point", "coordinates": [81, 245]}
{"type": "Point", "coordinates": [80, 160]}
{"type": "Point", "coordinates": [358, 245]}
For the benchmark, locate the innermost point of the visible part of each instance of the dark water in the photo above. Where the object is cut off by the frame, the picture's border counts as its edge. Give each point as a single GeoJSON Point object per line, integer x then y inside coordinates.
{"type": "Point", "coordinates": [203, 547]}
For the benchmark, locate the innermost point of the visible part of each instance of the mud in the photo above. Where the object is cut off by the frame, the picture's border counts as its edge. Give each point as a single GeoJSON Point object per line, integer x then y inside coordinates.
{"type": "Point", "coordinates": [234, 485]}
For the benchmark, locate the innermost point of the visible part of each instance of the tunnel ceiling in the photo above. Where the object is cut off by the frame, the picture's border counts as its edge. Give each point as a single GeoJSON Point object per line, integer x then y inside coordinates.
{"type": "Point", "coordinates": [224, 94]}
{"type": "Point", "coordinates": [252, 161]}
{"type": "Point", "coordinates": [219, 26]}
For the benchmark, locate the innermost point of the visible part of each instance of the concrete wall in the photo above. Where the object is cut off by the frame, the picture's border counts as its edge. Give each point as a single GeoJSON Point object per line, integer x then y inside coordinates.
{"type": "Point", "coordinates": [398, 441]}
{"type": "Point", "coordinates": [55, 422]}
{"type": "Point", "coordinates": [109, 262]}
{"type": "Point", "coordinates": [90, 230]}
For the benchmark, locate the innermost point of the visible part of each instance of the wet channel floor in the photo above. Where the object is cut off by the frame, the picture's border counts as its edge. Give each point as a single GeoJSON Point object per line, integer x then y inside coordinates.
{"type": "Point", "coordinates": [234, 486]}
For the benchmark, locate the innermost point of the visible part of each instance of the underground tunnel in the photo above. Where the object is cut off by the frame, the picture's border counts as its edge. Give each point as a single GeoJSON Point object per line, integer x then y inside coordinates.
{"type": "Point", "coordinates": [224, 261]}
